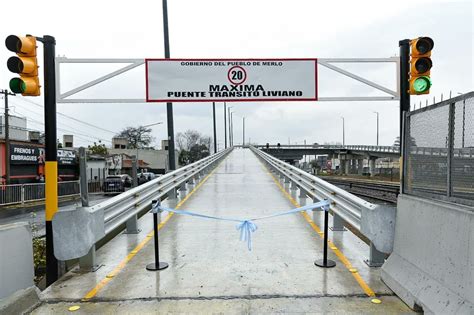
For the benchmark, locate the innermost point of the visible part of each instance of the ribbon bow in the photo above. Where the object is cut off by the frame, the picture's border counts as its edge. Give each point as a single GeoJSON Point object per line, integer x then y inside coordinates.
{"type": "Point", "coordinates": [246, 229]}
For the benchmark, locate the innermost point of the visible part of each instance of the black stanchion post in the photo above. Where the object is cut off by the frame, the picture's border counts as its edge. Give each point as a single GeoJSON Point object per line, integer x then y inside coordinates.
{"type": "Point", "coordinates": [157, 265]}
{"type": "Point", "coordinates": [325, 262]}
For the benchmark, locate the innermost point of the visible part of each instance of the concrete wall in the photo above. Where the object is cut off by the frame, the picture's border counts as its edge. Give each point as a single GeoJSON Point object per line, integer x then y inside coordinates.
{"type": "Point", "coordinates": [432, 264]}
{"type": "Point", "coordinates": [16, 258]}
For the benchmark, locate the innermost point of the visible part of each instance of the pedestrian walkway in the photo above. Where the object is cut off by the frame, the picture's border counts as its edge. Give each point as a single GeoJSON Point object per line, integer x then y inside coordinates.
{"type": "Point", "coordinates": [212, 271]}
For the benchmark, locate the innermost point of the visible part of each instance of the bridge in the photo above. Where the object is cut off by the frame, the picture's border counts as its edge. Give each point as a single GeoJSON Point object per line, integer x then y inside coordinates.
{"type": "Point", "coordinates": [242, 230]}
{"type": "Point", "coordinates": [209, 267]}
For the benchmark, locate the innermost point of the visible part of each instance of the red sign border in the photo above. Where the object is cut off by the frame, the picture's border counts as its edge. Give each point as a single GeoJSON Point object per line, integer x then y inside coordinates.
{"type": "Point", "coordinates": [148, 100]}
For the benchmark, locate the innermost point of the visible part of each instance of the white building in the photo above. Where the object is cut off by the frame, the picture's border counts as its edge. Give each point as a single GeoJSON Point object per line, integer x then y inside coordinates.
{"type": "Point", "coordinates": [17, 128]}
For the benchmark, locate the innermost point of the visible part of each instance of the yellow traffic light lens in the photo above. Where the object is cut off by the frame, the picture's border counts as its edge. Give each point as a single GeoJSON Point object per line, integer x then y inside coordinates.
{"type": "Point", "coordinates": [422, 84]}
{"type": "Point", "coordinates": [423, 65]}
{"type": "Point", "coordinates": [17, 85]}
{"type": "Point", "coordinates": [15, 65]}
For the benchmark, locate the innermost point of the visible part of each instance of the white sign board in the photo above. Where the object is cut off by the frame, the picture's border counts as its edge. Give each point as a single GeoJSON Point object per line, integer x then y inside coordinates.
{"type": "Point", "coordinates": [240, 80]}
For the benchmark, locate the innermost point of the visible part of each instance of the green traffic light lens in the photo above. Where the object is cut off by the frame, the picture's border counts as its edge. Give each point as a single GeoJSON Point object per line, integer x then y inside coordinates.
{"type": "Point", "coordinates": [17, 85]}
{"type": "Point", "coordinates": [422, 84]}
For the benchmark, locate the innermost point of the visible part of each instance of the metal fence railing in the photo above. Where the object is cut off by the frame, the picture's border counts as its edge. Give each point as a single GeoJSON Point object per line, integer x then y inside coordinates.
{"type": "Point", "coordinates": [439, 155]}
{"type": "Point", "coordinates": [24, 193]}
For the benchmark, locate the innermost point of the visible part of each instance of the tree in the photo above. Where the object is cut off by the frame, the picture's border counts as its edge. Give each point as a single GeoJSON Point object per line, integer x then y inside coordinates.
{"type": "Point", "coordinates": [138, 138]}
{"type": "Point", "coordinates": [192, 146]}
{"type": "Point", "coordinates": [97, 148]}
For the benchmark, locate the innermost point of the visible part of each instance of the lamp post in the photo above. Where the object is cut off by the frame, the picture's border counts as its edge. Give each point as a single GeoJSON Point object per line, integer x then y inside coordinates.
{"type": "Point", "coordinates": [377, 127]}
{"type": "Point", "coordinates": [231, 129]}
{"type": "Point", "coordinates": [225, 126]}
{"type": "Point", "coordinates": [343, 132]}
{"type": "Point", "coordinates": [243, 131]}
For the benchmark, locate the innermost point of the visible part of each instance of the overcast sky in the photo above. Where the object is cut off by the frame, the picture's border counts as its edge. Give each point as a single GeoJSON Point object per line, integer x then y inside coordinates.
{"type": "Point", "coordinates": [245, 29]}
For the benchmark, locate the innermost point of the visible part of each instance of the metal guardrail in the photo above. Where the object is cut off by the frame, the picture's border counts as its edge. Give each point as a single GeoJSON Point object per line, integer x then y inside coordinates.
{"type": "Point", "coordinates": [77, 230]}
{"type": "Point", "coordinates": [376, 222]}
{"type": "Point", "coordinates": [24, 193]}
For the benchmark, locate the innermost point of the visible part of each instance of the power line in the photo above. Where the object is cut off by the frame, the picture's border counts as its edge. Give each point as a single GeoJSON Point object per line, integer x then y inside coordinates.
{"type": "Point", "coordinates": [73, 130]}
{"type": "Point", "coordinates": [72, 118]}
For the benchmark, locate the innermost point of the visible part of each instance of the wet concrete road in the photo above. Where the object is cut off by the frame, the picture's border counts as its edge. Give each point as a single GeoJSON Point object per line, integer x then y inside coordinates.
{"type": "Point", "coordinates": [211, 271]}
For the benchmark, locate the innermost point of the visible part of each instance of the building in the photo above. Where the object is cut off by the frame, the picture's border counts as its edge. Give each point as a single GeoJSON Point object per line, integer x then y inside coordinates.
{"type": "Point", "coordinates": [17, 128]}
{"type": "Point", "coordinates": [122, 163]}
{"type": "Point", "coordinates": [26, 162]}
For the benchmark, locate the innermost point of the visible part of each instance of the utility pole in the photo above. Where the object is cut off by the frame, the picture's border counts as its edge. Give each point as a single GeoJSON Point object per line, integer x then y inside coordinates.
{"type": "Point", "coordinates": [243, 131]}
{"type": "Point", "coordinates": [214, 119]}
{"type": "Point", "coordinates": [169, 106]}
{"type": "Point", "coordinates": [377, 127]}
{"type": "Point", "coordinates": [7, 137]}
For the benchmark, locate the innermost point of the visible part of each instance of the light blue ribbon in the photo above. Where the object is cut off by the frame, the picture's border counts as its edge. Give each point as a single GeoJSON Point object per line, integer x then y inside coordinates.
{"type": "Point", "coordinates": [245, 226]}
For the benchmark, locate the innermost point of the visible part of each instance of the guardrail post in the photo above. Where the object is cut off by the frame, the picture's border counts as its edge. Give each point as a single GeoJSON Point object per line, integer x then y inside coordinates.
{"type": "Point", "coordinates": [302, 197]}
{"type": "Point", "coordinates": [182, 189]}
{"type": "Point", "coordinates": [132, 223]}
{"type": "Point", "coordinates": [337, 223]}
{"type": "Point", "coordinates": [376, 258]}
{"type": "Point", "coordinates": [293, 186]}
{"type": "Point", "coordinates": [87, 262]}
{"type": "Point", "coordinates": [315, 213]}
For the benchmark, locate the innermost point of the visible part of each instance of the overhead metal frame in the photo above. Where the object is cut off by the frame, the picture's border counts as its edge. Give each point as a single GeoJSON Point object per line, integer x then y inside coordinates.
{"type": "Point", "coordinates": [66, 96]}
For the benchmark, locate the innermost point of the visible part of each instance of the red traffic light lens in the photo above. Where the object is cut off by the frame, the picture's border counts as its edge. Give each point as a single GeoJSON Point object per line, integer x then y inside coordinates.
{"type": "Point", "coordinates": [13, 43]}
{"type": "Point", "coordinates": [424, 45]}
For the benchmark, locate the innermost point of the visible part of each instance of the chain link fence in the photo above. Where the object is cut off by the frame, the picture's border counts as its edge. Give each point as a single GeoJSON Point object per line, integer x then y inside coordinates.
{"type": "Point", "coordinates": [439, 155]}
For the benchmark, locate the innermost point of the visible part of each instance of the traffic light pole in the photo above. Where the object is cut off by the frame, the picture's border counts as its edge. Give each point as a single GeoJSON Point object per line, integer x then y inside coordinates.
{"type": "Point", "coordinates": [404, 98]}
{"type": "Point", "coordinates": [51, 164]}
{"type": "Point", "coordinates": [7, 137]}
{"type": "Point", "coordinates": [169, 106]}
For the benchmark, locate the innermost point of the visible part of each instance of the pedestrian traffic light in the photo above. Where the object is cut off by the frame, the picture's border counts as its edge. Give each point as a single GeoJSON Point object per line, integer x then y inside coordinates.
{"type": "Point", "coordinates": [25, 64]}
{"type": "Point", "coordinates": [420, 65]}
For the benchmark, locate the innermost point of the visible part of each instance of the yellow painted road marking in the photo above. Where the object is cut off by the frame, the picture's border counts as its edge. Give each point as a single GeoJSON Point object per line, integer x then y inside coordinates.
{"type": "Point", "coordinates": [135, 251]}
{"type": "Point", "coordinates": [336, 251]}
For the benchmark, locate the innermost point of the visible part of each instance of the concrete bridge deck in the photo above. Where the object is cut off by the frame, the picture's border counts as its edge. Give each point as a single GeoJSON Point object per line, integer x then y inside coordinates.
{"type": "Point", "coordinates": [211, 271]}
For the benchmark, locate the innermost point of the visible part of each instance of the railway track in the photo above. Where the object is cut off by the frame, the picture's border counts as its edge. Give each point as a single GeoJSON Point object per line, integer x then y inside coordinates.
{"type": "Point", "coordinates": [377, 190]}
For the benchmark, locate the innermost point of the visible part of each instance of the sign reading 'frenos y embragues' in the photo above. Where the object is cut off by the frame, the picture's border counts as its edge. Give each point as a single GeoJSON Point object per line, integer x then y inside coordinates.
{"type": "Point", "coordinates": [204, 80]}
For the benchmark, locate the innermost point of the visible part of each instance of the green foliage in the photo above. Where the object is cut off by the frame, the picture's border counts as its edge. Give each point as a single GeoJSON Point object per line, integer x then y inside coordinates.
{"type": "Point", "coordinates": [192, 146]}
{"type": "Point", "coordinates": [97, 148]}
{"type": "Point", "coordinates": [138, 137]}
{"type": "Point", "coordinates": [39, 249]}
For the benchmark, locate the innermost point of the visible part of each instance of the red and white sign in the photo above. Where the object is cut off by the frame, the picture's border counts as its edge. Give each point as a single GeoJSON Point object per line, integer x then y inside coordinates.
{"type": "Point", "coordinates": [231, 80]}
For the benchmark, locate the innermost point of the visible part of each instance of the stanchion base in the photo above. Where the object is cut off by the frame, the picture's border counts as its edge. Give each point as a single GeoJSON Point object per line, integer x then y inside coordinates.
{"type": "Point", "coordinates": [153, 267]}
{"type": "Point", "coordinates": [329, 263]}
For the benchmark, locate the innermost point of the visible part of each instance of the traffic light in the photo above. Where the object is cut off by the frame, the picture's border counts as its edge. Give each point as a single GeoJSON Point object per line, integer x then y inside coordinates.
{"type": "Point", "coordinates": [420, 65]}
{"type": "Point", "coordinates": [25, 64]}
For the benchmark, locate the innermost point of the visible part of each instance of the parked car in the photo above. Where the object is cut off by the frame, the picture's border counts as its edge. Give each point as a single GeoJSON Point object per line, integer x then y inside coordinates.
{"type": "Point", "coordinates": [145, 177]}
{"type": "Point", "coordinates": [115, 184]}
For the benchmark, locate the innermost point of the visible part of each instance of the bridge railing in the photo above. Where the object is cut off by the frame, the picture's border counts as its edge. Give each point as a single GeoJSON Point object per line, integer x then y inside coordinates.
{"type": "Point", "coordinates": [76, 231]}
{"type": "Point", "coordinates": [26, 193]}
{"type": "Point", "coordinates": [376, 222]}
{"type": "Point", "coordinates": [371, 148]}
